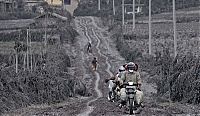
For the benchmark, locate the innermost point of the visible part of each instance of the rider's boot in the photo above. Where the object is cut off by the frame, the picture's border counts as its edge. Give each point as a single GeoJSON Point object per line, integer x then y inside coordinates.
{"type": "Point", "coordinates": [122, 104]}
{"type": "Point", "coordinates": [139, 105]}
{"type": "Point", "coordinates": [142, 105]}
{"type": "Point", "coordinates": [110, 96]}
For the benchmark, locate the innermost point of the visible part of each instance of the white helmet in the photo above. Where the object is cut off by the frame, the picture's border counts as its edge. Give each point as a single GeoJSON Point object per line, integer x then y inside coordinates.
{"type": "Point", "coordinates": [121, 68]}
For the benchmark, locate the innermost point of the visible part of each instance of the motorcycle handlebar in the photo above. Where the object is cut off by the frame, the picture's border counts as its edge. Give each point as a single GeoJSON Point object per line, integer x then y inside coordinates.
{"type": "Point", "coordinates": [125, 84]}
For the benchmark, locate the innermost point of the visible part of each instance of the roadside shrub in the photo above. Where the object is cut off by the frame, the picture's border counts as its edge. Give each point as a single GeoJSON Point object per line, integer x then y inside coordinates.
{"type": "Point", "coordinates": [12, 36]}
{"type": "Point", "coordinates": [128, 52]}
{"type": "Point", "coordinates": [7, 16]}
{"type": "Point", "coordinates": [46, 84]}
{"type": "Point", "coordinates": [180, 78]}
{"type": "Point", "coordinates": [17, 15]}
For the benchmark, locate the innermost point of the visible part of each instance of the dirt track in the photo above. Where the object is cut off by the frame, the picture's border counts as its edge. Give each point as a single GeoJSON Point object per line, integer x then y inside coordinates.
{"type": "Point", "coordinates": [109, 60]}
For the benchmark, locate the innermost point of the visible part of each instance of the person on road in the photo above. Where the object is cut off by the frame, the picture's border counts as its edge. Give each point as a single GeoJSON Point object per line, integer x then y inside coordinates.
{"type": "Point", "coordinates": [114, 84]}
{"type": "Point", "coordinates": [89, 50]}
{"type": "Point", "coordinates": [94, 64]}
{"type": "Point", "coordinates": [131, 75]}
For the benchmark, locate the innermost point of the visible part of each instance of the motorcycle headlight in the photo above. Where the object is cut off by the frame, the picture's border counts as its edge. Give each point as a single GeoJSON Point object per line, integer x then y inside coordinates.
{"type": "Point", "coordinates": [130, 83]}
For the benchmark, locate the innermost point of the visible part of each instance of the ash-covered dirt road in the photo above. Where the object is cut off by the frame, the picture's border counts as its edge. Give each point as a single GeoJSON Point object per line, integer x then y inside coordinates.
{"type": "Point", "coordinates": [96, 103]}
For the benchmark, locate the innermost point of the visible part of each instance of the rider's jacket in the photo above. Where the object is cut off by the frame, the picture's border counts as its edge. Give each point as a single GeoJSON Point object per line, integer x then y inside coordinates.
{"type": "Point", "coordinates": [119, 75]}
{"type": "Point", "coordinates": [131, 77]}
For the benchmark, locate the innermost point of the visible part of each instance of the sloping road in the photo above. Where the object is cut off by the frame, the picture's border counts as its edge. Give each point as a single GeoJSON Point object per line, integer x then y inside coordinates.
{"type": "Point", "coordinates": [109, 60]}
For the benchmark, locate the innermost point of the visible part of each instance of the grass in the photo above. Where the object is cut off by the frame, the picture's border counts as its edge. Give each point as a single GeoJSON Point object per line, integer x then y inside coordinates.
{"type": "Point", "coordinates": [162, 36]}
{"type": "Point", "coordinates": [8, 47]}
{"type": "Point", "coordinates": [183, 15]}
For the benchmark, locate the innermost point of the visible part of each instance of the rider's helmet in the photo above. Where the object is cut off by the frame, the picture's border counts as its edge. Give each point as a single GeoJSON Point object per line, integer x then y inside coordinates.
{"type": "Point", "coordinates": [131, 67]}
{"type": "Point", "coordinates": [121, 68]}
{"type": "Point", "coordinates": [125, 66]}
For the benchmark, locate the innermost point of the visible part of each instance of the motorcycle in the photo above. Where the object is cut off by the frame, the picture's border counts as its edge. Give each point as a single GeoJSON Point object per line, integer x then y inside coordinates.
{"type": "Point", "coordinates": [131, 89]}
{"type": "Point", "coordinates": [114, 91]}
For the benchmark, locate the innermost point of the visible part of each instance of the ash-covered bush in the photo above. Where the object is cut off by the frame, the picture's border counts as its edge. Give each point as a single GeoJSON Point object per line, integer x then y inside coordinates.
{"type": "Point", "coordinates": [48, 83]}
{"type": "Point", "coordinates": [180, 77]}
{"type": "Point", "coordinates": [176, 78]}
{"type": "Point", "coordinates": [17, 15]}
{"type": "Point", "coordinates": [68, 35]}
{"type": "Point", "coordinates": [128, 51]}
{"type": "Point", "coordinates": [40, 87]}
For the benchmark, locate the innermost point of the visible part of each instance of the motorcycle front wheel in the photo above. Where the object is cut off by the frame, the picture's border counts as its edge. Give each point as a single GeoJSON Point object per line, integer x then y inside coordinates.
{"type": "Point", "coordinates": [131, 104]}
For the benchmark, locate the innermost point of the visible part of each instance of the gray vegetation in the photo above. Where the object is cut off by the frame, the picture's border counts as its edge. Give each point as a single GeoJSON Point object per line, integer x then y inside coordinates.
{"type": "Point", "coordinates": [49, 82]}
{"type": "Point", "coordinates": [89, 7]}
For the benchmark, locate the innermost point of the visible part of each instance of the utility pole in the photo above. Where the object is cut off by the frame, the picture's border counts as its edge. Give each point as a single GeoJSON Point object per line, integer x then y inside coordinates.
{"type": "Point", "coordinates": [113, 7]}
{"type": "Point", "coordinates": [199, 37]}
{"type": "Point", "coordinates": [122, 13]}
{"type": "Point", "coordinates": [45, 41]}
{"type": "Point", "coordinates": [27, 52]}
{"type": "Point", "coordinates": [31, 52]}
{"type": "Point", "coordinates": [16, 56]}
{"type": "Point", "coordinates": [174, 25]}
{"type": "Point", "coordinates": [99, 4]}
{"type": "Point", "coordinates": [24, 62]}
{"type": "Point", "coordinates": [108, 1]}
{"type": "Point", "coordinates": [62, 5]}
{"type": "Point", "coordinates": [150, 27]}
{"type": "Point", "coordinates": [24, 65]}
{"type": "Point", "coordinates": [133, 15]}
{"type": "Point", "coordinates": [16, 61]}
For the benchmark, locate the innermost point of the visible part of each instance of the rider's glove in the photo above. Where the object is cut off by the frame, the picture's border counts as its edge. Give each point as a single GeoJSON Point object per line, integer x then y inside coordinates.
{"type": "Point", "coordinates": [117, 83]}
{"type": "Point", "coordinates": [106, 80]}
{"type": "Point", "coordinates": [139, 87]}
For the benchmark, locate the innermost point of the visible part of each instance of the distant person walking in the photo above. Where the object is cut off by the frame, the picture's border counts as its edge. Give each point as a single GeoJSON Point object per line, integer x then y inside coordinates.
{"type": "Point", "coordinates": [94, 64]}
{"type": "Point", "coordinates": [89, 50]}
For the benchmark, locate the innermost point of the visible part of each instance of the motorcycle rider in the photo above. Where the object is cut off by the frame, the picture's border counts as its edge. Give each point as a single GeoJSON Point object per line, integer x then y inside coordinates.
{"type": "Point", "coordinates": [94, 64]}
{"type": "Point", "coordinates": [114, 83]}
{"type": "Point", "coordinates": [89, 47]}
{"type": "Point", "coordinates": [131, 75]}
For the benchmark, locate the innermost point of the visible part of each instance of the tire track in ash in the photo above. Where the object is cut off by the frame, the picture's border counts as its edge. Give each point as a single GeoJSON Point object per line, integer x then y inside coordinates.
{"type": "Point", "coordinates": [84, 31]}
{"type": "Point", "coordinates": [98, 91]}
{"type": "Point", "coordinates": [99, 36]}
{"type": "Point", "coordinates": [107, 62]}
